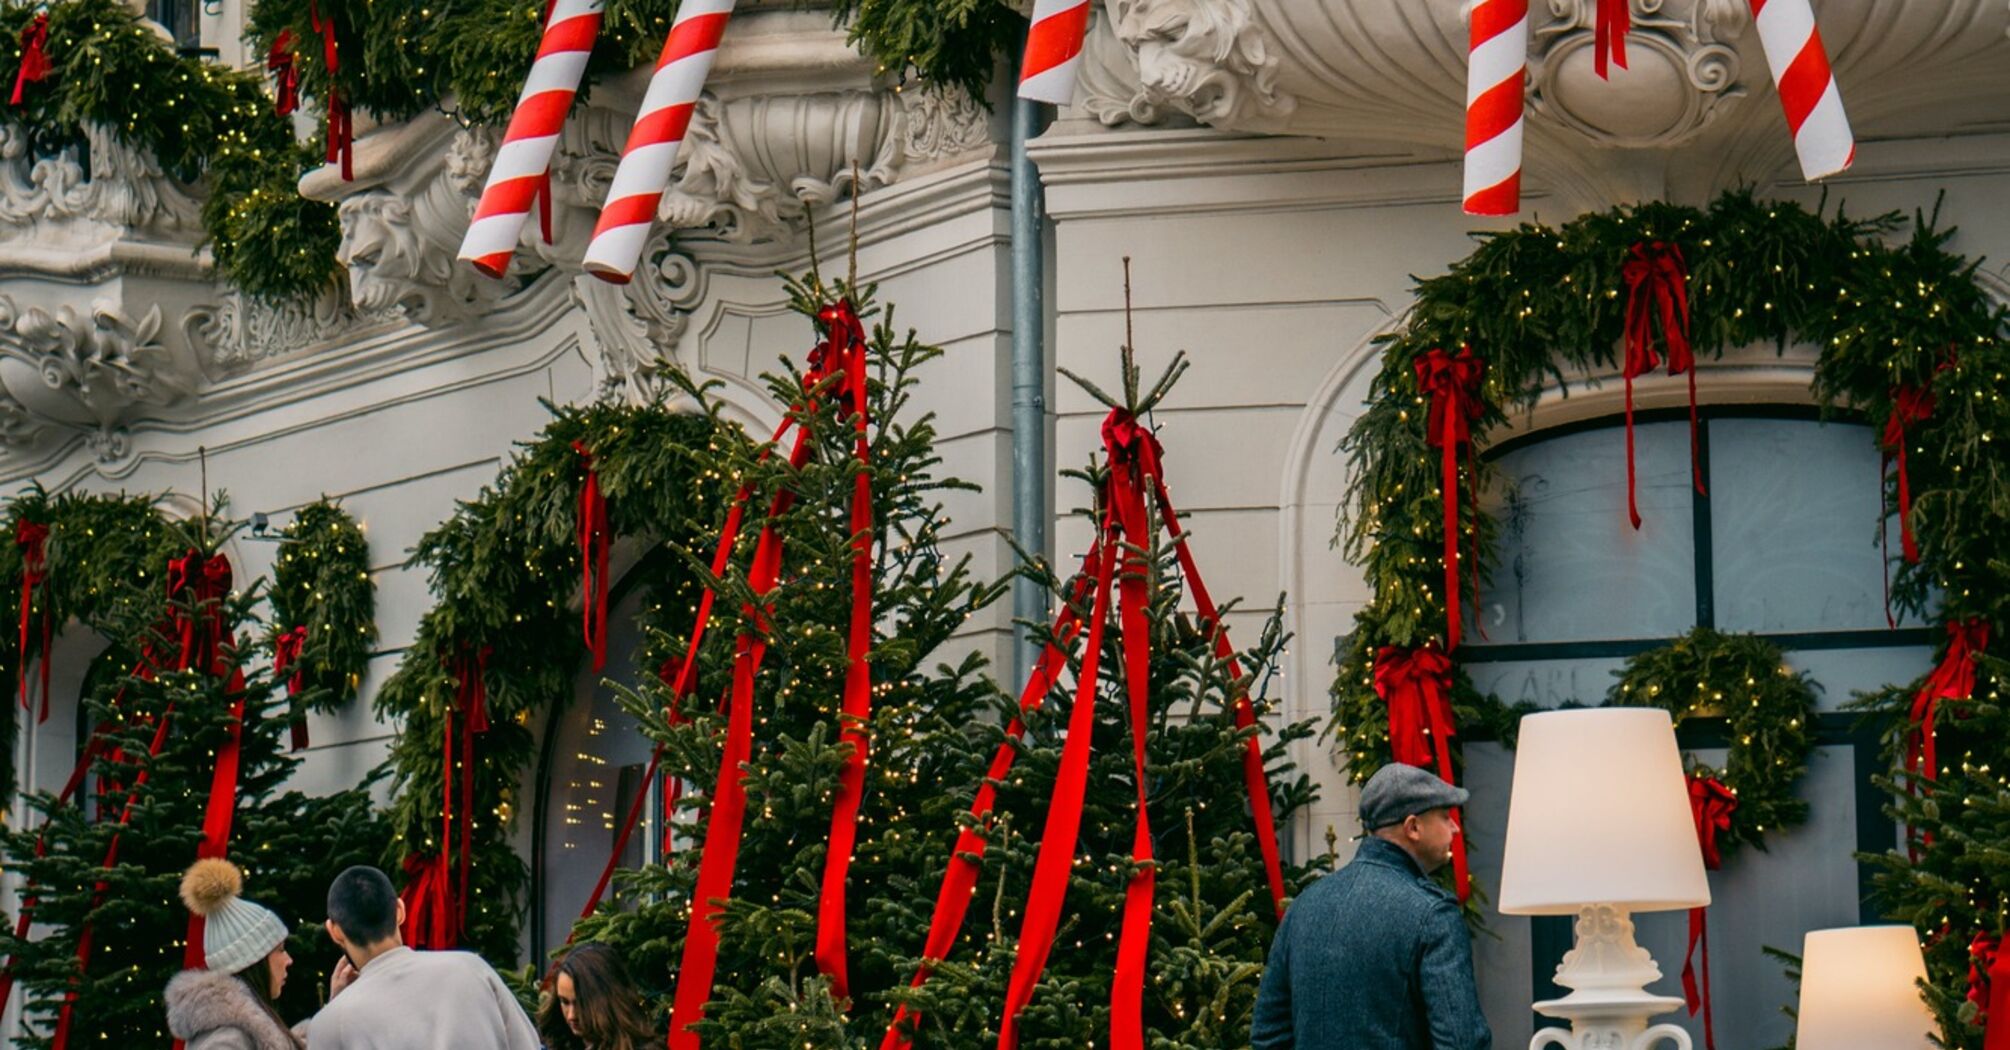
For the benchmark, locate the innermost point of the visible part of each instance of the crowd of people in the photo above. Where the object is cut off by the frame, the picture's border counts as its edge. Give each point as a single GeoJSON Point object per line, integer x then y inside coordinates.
{"type": "Point", "coordinates": [382, 995]}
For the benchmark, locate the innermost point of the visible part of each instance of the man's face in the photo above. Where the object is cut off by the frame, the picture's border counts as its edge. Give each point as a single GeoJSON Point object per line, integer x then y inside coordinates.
{"type": "Point", "coordinates": [1429, 836]}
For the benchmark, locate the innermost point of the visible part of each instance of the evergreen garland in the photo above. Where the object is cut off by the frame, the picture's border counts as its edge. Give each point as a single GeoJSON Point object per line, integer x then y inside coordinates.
{"type": "Point", "coordinates": [198, 120]}
{"type": "Point", "coordinates": [322, 582]}
{"type": "Point", "coordinates": [1889, 309]}
{"type": "Point", "coordinates": [1709, 674]}
{"type": "Point", "coordinates": [505, 569]}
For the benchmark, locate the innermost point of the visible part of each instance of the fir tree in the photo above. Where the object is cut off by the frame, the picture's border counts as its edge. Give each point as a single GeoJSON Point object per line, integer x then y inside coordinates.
{"type": "Point", "coordinates": [151, 801]}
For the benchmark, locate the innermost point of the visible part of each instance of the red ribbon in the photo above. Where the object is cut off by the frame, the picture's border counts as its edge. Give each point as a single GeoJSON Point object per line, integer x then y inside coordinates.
{"type": "Point", "coordinates": [211, 590]}
{"type": "Point", "coordinates": [284, 66]}
{"type": "Point", "coordinates": [1608, 47]}
{"type": "Point", "coordinates": [1417, 686]}
{"type": "Point", "coordinates": [32, 537]}
{"type": "Point", "coordinates": [1452, 381]}
{"type": "Point", "coordinates": [341, 123]}
{"type": "Point", "coordinates": [286, 650]}
{"type": "Point", "coordinates": [1909, 405]}
{"type": "Point", "coordinates": [1954, 679]}
{"type": "Point", "coordinates": [595, 538]}
{"type": "Point", "coordinates": [427, 923]}
{"type": "Point", "coordinates": [844, 351]}
{"type": "Point", "coordinates": [1657, 289]}
{"type": "Point", "coordinates": [1989, 989]}
{"type": "Point", "coordinates": [35, 65]}
{"type": "Point", "coordinates": [1710, 805]}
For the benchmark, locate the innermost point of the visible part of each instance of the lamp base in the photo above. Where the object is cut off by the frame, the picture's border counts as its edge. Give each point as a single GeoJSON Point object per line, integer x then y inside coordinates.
{"type": "Point", "coordinates": [1609, 1006]}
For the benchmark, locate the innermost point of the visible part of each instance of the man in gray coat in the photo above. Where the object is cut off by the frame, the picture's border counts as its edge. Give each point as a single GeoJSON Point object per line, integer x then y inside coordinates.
{"type": "Point", "coordinates": [1376, 955]}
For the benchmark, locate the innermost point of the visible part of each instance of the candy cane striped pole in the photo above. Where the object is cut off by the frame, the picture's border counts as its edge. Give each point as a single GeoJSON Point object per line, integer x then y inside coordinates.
{"type": "Point", "coordinates": [1053, 51]}
{"type": "Point", "coordinates": [525, 157]}
{"type": "Point", "coordinates": [1496, 65]}
{"type": "Point", "coordinates": [1800, 63]}
{"type": "Point", "coordinates": [644, 171]}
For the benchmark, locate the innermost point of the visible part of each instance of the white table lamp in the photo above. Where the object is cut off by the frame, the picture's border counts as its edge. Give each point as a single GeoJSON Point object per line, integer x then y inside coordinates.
{"type": "Point", "coordinates": [1859, 990]}
{"type": "Point", "coordinates": [1599, 827]}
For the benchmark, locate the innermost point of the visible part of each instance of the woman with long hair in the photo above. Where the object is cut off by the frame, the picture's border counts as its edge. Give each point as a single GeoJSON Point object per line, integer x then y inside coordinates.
{"type": "Point", "coordinates": [229, 1005]}
{"type": "Point", "coordinates": [592, 1004]}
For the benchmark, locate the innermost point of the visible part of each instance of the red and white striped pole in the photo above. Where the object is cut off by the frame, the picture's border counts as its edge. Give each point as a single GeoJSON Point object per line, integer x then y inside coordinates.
{"type": "Point", "coordinates": [1800, 64]}
{"type": "Point", "coordinates": [1053, 51]}
{"type": "Point", "coordinates": [523, 164]}
{"type": "Point", "coordinates": [644, 171]}
{"type": "Point", "coordinates": [1496, 66]}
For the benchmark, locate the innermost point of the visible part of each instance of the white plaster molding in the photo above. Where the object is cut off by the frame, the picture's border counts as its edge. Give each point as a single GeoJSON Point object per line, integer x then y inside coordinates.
{"type": "Point", "coordinates": [124, 188]}
{"type": "Point", "coordinates": [1210, 60]}
{"type": "Point", "coordinates": [85, 373]}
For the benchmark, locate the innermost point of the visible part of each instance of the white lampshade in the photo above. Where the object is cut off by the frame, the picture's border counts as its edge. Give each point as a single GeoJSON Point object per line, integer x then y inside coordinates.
{"type": "Point", "coordinates": [1600, 815]}
{"type": "Point", "coordinates": [1858, 990]}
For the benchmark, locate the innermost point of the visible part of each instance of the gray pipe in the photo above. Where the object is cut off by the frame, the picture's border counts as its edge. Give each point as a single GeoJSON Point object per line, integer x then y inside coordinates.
{"type": "Point", "coordinates": [1029, 380]}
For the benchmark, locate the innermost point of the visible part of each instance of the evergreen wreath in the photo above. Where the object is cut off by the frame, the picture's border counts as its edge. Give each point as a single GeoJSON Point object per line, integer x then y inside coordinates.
{"type": "Point", "coordinates": [322, 582]}
{"type": "Point", "coordinates": [1896, 316]}
{"type": "Point", "coordinates": [1769, 707]}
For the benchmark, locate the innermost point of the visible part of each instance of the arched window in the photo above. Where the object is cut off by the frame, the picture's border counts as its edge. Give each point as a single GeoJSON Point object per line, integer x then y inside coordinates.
{"type": "Point", "coordinates": [1782, 543]}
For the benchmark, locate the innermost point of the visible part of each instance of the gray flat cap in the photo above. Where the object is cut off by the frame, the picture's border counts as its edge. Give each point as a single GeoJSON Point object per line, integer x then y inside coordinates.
{"type": "Point", "coordinates": [1397, 791]}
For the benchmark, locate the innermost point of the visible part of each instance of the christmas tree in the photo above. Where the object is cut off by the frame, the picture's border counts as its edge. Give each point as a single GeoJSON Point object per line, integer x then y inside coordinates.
{"type": "Point", "coordinates": [934, 729]}
{"type": "Point", "coordinates": [165, 702]}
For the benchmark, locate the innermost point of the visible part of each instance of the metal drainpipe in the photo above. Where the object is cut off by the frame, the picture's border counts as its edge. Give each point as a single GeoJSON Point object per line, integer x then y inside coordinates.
{"type": "Point", "coordinates": [1029, 380]}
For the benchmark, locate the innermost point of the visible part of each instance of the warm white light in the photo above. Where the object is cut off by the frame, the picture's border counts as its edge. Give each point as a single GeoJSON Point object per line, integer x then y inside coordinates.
{"type": "Point", "coordinates": [1859, 990]}
{"type": "Point", "coordinates": [1599, 814]}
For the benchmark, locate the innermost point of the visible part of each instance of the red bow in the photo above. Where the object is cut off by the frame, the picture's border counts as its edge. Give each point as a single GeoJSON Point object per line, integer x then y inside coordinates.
{"type": "Point", "coordinates": [1909, 405]}
{"type": "Point", "coordinates": [286, 650]}
{"type": "Point", "coordinates": [1954, 679]}
{"type": "Point", "coordinates": [1989, 988]}
{"type": "Point", "coordinates": [1452, 381]}
{"type": "Point", "coordinates": [1417, 686]}
{"type": "Point", "coordinates": [1608, 42]}
{"type": "Point", "coordinates": [1657, 289]}
{"type": "Point", "coordinates": [595, 538]}
{"type": "Point", "coordinates": [428, 922]}
{"type": "Point", "coordinates": [32, 537]}
{"type": "Point", "coordinates": [1711, 805]}
{"type": "Point", "coordinates": [341, 123]}
{"type": "Point", "coordinates": [844, 339]}
{"type": "Point", "coordinates": [281, 62]}
{"type": "Point", "coordinates": [35, 66]}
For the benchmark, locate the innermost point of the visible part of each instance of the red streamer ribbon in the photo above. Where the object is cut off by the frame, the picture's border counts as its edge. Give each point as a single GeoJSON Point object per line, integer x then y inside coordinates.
{"type": "Point", "coordinates": [341, 123]}
{"type": "Point", "coordinates": [284, 66]}
{"type": "Point", "coordinates": [1417, 686]}
{"type": "Point", "coordinates": [1608, 47]}
{"type": "Point", "coordinates": [1909, 405]}
{"type": "Point", "coordinates": [1657, 290]}
{"type": "Point", "coordinates": [32, 537]}
{"type": "Point", "coordinates": [211, 590]}
{"type": "Point", "coordinates": [595, 539]}
{"type": "Point", "coordinates": [1452, 382]}
{"type": "Point", "coordinates": [35, 65]}
{"type": "Point", "coordinates": [1953, 679]}
{"type": "Point", "coordinates": [1989, 989]}
{"type": "Point", "coordinates": [286, 650]}
{"type": "Point", "coordinates": [1133, 456]}
{"type": "Point", "coordinates": [1710, 805]}
{"type": "Point", "coordinates": [844, 353]}
{"type": "Point", "coordinates": [426, 913]}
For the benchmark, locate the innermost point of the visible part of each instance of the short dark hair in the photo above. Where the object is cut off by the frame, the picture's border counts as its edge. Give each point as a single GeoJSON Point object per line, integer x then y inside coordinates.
{"type": "Point", "coordinates": [364, 904]}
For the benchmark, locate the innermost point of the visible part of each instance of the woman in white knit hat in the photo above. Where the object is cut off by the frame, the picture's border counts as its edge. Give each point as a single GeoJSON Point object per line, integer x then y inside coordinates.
{"type": "Point", "coordinates": [229, 1005]}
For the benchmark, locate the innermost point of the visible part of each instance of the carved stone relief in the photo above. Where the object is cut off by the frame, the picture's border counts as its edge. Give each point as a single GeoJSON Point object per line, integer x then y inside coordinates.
{"type": "Point", "coordinates": [123, 189]}
{"type": "Point", "coordinates": [1680, 71]}
{"type": "Point", "coordinates": [1211, 60]}
{"type": "Point", "coordinates": [237, 331]}
{"type": "Point", "coordinates": [83, 372]}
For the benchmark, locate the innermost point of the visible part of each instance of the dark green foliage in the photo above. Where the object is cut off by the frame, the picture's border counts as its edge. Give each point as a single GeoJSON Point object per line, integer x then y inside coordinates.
{"type": "Point", "coordinates": [322, 582]}
{"type": "Point", "coordinates": [288, 844]}
{"type": "Point", "coordinates": [1769, 707]}
{"type": "Point", "coordinates": [196, 119]}
{"type": "Point", "coordinates": [1888, 310]}
{"type": "Point", "coordinates": [505, 568]}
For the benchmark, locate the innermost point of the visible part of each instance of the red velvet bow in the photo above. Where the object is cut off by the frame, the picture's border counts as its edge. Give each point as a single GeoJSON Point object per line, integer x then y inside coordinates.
{"type": "Point", "coordinates": [1417, 686]}
{"type": "Point", "coordinates": [341, 123]}
{"type": "Point", "coordinates": [35, 65]}
{"type": "Point", "coordinates": [844, 338]}
{"type": "Point", "coordinates": [1608, 42]}
{"type": "Point", "coordinates": [286, 650]}
{"type": "Point", "coordinates": [1989, 989]}
{"type": "Point", "coordinates": [428, 920]}
{"type": "Point", "coordinates": [284, 66]}
{"type": "Point", "coordinates": [1657, 290]}
{"type": "Point", "coordinates": [1909, 405]}
{"type": "Point", "coordinates": [596, 538]}
{"type": "Point", "coordinates": [1953, 679]}
{"type": "Point", "coordinates": [1452, 382]}
{"type": "Point", "coordinates": [1710, 805]}
{"type": "Point", "coordinates": [32, 537]}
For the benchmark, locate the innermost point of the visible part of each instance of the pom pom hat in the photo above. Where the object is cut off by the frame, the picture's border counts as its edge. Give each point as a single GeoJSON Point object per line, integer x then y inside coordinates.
{"type": "Point", "coordinates": [236, 933]}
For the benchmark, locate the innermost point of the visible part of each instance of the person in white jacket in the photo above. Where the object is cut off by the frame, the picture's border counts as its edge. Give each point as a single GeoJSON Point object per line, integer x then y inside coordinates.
{"type": "Point", "coordinates": [385, 996]}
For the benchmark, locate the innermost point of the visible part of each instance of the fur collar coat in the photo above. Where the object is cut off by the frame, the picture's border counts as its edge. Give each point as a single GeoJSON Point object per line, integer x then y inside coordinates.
{"type": "Point", "coordinates": [215, 1011]}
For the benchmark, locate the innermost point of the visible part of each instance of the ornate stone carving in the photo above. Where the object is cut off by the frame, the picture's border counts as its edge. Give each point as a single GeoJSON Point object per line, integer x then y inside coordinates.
{"type": "Point", "coordinates": [1211, 60]}
{"type": "Point", "coordinates": [124, 188]}
{"type": "Point", "coordinates": [751, 166]}
{"type": "Point", "coordinates": [638, 326]}
{"type": "Point", "coordinates": [86, 373]}
{"type": "Point", "coordinates": [237, 332]}
{"type": "Point", "coordinates": [1679, 75]}
{"type": "Point", "coordinates": [940, 123]}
